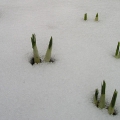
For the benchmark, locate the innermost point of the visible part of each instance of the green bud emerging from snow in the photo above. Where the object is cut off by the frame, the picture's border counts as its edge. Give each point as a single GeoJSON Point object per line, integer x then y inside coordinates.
{"type": "Point", "coordinates": [117, 53]}
{"type": "Point", "coordinates": [103, 88]}
{"type": "Point", "coordinates": [112, 104]}
{"type": "Point", "coordinates": [50, 43]}
{"type": "Point", "coordinates": [96, 97]}
{"type": "Point", "coordinates": [48, 52]}
{"type": "Point", "coordinates": [102, 97]}
{"type": "Point", "coordinates": [85, 16]}
{"type": "Point", "coordinates": [33, 40]}
{"type": "Point", "coordinates": [96, 17]}
{"type": "Point", "coordinates": [35, 51]}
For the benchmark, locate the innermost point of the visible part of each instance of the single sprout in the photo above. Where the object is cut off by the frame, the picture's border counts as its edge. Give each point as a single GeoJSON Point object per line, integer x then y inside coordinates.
{"type": "Point", "coordinates": [96, 17]}
{"type": "Point", "coordinates": [85, 16]}
{"type": "Point", "coordinates": [102, 97]}
{"type": "Point", "coordinates": [112, 104]}
{"type": "Point", "coordinates": [35, 50]}
{"type": "Point", "coordinates": [117, 53]}
{"type": "Point", "coordinates": [48, 52]}
{"type": "Point", "coordinates": [96, 97]}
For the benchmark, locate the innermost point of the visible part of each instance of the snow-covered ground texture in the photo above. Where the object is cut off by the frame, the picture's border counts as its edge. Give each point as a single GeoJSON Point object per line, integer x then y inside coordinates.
{"type": "Point", "coordinates": [83, 52]}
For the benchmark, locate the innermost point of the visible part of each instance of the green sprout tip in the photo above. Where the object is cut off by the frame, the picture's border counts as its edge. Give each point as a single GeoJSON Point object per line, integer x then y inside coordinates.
{"type": "Point", "coordinates": [117, 53]}
{"type": "Point", "coordinates": [103, 86]}
{"type": "Point", "coordinates": [50, 43]}
{"type": "Point", "coordinates": [102, 97]}
{"type": "Point", "coordinates": [85, 16]}
{"type": "Point", "coordinates": [112, 104]}
{"type": "Point", "coordinates": [35, 50]}
{"type": "Point", "coordinates": [96, 17]}
{"type": "Point", "coordinates": [48, 52]}
{"type": "Point", "coordinates": [96, 97]}
{"type": "Point", "coordinates": [33, 40]}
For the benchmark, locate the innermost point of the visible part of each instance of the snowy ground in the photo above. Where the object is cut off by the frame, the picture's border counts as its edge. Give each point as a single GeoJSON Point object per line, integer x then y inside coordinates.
{"type": "Point", "coordinates": [83, 50]}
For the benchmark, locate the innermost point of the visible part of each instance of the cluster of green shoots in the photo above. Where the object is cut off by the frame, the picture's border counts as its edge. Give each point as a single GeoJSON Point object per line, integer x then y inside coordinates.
{"type": "Point", "coordinates": [101, 102]}
{"type": "Point", "coordinates": [85, 17]}
{"type": "Point", "coordinates": [37, 58]}
{"type": "Point", "coordinates": [117, 53]}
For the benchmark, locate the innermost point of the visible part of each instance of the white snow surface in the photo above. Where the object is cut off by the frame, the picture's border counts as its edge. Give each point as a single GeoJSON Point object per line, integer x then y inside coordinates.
{"type": "Point", "coordinates": [83, 52]}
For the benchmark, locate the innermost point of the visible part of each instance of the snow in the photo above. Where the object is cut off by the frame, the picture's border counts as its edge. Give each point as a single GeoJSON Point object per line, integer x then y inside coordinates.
{"type": "Point", "coordinates": [83, 52]}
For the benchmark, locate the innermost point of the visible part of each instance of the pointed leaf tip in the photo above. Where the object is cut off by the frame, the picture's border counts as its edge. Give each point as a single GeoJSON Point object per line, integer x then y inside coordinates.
{"type": "Point", "coordinates": [85, 16]}
{"type": "Point", "coordinates": [117, 49]}
{"type": "Point", "coordinates": [97, 15]}
{"type": "Point", "coordinates": [50, 43]}
{"type": "Point", "coordinates": [96, 93]}
{"type": "Point", "coordinates": [33, 40]}
{"type": "Point", "coordinates": [113, 101]}
{"type": "Point", "coordinates": [103, 86]}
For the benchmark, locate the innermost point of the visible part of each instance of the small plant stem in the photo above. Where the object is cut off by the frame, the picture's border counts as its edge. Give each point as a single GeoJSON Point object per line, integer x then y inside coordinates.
{"type": "Point", "coordinates": [85, 16]}
{"type": "Point", "coordinates": [35, 50]}
{"type": "Point", "coordinates": [102, 97]}
{"type": "Point", "coordinates": [48, 52]}
{"type": "Point", "coordinates": [96, 97]}
{"type": "Point", "coordinates": [112, 104]}
{"type": "Point", "coordinates": [96, 18]}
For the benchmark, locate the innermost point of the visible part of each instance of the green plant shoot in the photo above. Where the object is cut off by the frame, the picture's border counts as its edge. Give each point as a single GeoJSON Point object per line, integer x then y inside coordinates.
{"type": "Point", "coordinates": [117, 53]}
{"type": "Point", "coordinates": [96, 97]}
{"type": "Point", "coordinates": [102, 97]}
{"type": "Point", "coordinates": [96, 17]}
{"type": "Point", "coordinates": [35, 50]}
{"type": "Point", "coordinates": [85, 16]}
{"type": "Point", "coordinates": [112, 104]}
{"type": "Point", "coordinates": [48, 52]}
